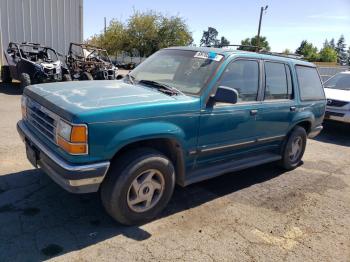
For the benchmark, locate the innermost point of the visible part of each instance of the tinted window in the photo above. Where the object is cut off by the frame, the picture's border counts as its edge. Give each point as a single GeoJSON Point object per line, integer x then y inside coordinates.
{"type": "Point", "coordinates": [309, 83]}
{"type": "Point", "coordinates": [277, 82]}
{"type": "Point", "coordinates": [243, 76]}
{"type": "Point", "coordinates": [339, 81]}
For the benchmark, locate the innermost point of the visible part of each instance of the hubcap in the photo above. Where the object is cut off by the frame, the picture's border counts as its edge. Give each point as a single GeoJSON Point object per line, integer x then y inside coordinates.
{"type": "Point", "coordinates": [296, 148]}
{"type": "Point", "coordinates": [145, 191]}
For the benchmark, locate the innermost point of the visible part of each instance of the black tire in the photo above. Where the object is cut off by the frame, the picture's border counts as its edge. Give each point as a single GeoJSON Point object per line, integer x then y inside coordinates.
{"type": "Point", "coordinates": [66, 77]}
{"type": "Point", "coordinates": [115, 189]}
{"type": "Point", "coordinates": [25, 80]}
{"type": "Point", "coordinates": [86, 76]}
{"type": "Point", "coordinates": [289, 159]}
{"type": "Point", "coordinates": [6, 75]}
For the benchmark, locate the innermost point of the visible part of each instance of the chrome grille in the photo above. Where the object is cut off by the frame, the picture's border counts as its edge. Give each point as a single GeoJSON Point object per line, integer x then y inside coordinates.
{"type": "Point", "coordinates": [43, 120]}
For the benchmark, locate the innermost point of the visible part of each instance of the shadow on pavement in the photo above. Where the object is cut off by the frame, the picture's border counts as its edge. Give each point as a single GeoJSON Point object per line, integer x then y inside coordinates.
{"type": "Point", "coordinates": [335, 133]}
{"type": "Point", "coordinates": [40, 220]}
{"type": "Point", "coordinates": [11, 89]}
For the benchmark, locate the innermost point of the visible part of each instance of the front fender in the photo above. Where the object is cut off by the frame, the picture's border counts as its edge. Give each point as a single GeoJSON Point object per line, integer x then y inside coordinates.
{"type": "Point", "coordinates": [144, 131]}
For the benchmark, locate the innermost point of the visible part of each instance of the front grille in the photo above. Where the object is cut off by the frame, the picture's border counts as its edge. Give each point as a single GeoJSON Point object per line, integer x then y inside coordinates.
{"type": "Point", "coordinates": [335, 103]}
{"type": "Point", "coordinates": [43, 120]}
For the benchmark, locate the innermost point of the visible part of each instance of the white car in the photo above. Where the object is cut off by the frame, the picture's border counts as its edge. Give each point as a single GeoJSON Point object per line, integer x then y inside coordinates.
{"type": "Point", "coordinates": [337, 90]}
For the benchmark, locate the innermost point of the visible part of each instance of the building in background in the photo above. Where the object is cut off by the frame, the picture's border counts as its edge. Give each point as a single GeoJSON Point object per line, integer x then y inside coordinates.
{"type": "Point", "coordinates": [54, 23]}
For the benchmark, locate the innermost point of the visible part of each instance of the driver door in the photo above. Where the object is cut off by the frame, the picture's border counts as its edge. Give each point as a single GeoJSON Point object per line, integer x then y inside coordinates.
{"type": "Point", "coordinates": [228, 129]}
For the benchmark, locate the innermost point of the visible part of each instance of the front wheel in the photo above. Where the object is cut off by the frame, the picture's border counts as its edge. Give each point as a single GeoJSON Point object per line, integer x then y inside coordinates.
{"type": "Point", "coordinates": [86, 76]}
{"type": "Point", "coordinates": [294, 148]}
{"type": "Point", "coordinates": [138, 186]}
{"type": "Point", "coordinates": [25, 80]}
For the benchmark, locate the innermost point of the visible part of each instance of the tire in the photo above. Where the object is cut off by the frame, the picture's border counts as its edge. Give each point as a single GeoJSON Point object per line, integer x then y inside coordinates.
{"type": "Point", "coordinates": [6, 75]}
{"type": "Point", "coordinates": [291, 157]}
{"type": "Point", "coordinates": [86, 76]}
{"type": "Point", "coordinates": [25, 80]}
{"type": "Point", "coordinates": [118, 193]}
{"type": "Point", "coordinates": [66, 77]}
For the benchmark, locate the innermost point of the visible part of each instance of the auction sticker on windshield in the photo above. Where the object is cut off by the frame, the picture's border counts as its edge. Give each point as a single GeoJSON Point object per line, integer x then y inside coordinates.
{"type": "Point", "coordinates": [211, 55]}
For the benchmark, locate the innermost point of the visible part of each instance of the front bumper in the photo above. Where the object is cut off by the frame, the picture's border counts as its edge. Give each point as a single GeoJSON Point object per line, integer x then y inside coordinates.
{"type": "Point", "coordinates": [72, 177]}
{"type": "Point", "coordinates": [337, 115]}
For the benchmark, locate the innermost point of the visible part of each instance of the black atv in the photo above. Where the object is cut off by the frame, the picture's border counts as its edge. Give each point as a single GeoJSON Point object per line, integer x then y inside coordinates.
{"type": "Point", "coordinates": [87, 62]}
{"type": "Point", "coordinates": [32, 63]}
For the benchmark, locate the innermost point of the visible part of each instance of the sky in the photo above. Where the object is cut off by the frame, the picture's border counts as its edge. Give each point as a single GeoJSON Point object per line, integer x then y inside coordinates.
{"type": "Point", "coordinates": [285, 23]}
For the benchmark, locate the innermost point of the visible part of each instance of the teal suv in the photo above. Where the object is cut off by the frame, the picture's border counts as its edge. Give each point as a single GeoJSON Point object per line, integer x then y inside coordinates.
{"type": "Point", "coordinates": [184, 115]}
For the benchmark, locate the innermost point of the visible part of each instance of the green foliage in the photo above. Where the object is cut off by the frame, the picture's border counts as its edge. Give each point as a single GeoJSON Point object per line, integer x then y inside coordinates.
{"type": "Point", "coordinates": [286, 51]}
{"type": "Point", "coordinates": [224, 41]}
{"type": "Point", "coordinates": [308, 51]}
{"type": "Point", "coordinates": [264, 44]}
{"type": "Point", "coordinates": [143, 34]}
{"type": "Point", "coordinates": [209, 37]}
{"type": "Point", "coordinates": [327, 54]}
{"type": "Point", "coordinates": [340, 49]}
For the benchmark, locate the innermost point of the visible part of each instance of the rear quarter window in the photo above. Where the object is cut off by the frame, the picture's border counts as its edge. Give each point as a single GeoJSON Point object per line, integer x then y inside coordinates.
{"type": "Point", "coordinates": [310, 85]}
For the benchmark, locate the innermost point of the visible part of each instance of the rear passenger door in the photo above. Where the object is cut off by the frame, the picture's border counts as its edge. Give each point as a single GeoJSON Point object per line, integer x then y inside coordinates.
{"type": "Point", "coordinates": [278, 106]}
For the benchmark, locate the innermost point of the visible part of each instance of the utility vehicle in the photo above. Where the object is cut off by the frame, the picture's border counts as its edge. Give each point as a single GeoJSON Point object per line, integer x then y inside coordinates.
{"type": "Point", "coordinates": [184, 115]}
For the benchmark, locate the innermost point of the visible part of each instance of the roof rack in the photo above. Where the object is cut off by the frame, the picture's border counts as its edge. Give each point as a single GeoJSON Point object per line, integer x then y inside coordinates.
{"type": "Point", "coordinates": [260, 50]}
{"type": "Point", "coordinates": [221, 46]}
{"type": "Point", "coordinates": [291, 55]}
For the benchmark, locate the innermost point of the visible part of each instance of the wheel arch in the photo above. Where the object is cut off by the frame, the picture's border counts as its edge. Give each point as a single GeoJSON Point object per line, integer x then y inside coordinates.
{"type": "Point", "coordinates": [168, 146]}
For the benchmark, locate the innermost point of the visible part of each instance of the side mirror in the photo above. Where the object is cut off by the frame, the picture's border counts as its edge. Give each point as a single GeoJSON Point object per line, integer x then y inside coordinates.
{"type": "Point", "coordinates": [226, 94]}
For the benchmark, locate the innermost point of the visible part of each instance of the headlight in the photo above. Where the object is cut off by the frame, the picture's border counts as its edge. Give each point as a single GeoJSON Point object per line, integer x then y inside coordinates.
{"type": "Point", "coordinates": [72, 138]}
{"type": "Point", "coordinates": [24, 106]}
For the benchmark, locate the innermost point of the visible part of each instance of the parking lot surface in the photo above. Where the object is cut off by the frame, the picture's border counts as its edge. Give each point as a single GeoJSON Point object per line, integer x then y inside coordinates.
{"type": "Point", "coordinates": [260, 214]}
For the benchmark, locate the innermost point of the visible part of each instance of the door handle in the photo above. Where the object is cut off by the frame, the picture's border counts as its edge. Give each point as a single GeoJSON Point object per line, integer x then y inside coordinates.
{"type": "Point", "coordinates": [293, 108]}
{"type": "Point", "coordinates": [253, 112]}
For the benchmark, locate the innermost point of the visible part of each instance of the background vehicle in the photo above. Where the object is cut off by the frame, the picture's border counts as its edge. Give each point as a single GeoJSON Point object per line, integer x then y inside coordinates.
{"type": "Point", "coordinates": [32, 63]}
{"type": "Point", "coordinates": [184, 115]}
{"type": "Point", "coordinates": [87, 62]}
{"type": "Point", "coordinates": [337, 90]}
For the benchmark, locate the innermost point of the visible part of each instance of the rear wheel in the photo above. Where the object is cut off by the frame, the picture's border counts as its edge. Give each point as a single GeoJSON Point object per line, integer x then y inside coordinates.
{"type": "Point", "coordinates": [86, 76]}
{"type": "Point", "coordinates": [138, 186]}
{"type": "Point", "coordinates": [66, 77]}
{"type": "Point", "coordinates": [6, 74]}
{"type": "Point", "coordinates": [294, 148]}
{"type": "Point", "coordinates": [25, 80]}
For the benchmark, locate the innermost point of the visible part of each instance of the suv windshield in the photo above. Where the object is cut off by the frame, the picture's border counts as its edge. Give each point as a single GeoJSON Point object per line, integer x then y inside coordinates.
{"type": "Point", "coordinates": [187, 71]}
{"type": "Point", "coordinates": [339, 81]}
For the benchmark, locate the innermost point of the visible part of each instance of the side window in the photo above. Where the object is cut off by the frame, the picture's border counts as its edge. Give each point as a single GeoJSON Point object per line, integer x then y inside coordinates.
{"type": "Point", "coordinates": [243, 76]}
{"type": "Point", "coordinates": [278, 84]}
{"type": "Point", "coordinates": [309, 83]}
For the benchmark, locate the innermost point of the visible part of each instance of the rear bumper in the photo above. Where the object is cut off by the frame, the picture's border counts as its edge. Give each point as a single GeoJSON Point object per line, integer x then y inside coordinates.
{"type": "Point", "coordinates": [315, 131]}
{"type": "Point", "coordinates": [72, 177]}
{"type": "Point", "coordinates": [338, 115]}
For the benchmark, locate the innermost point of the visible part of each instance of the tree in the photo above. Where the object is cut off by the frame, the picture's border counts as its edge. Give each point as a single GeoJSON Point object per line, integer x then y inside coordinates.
{"type": "Point", "coordinates": [286, 51]}
{"type": "Point", "coordinates": [340, 49]}
{"type": "Point", "coordinates": [349, 56]}
{"type": "Point", "coordinates": [264, 44]}
{"type": "Point", "coordinates": [332, 43]}
{"type": "Point", "coordinates": [308, 51]}
{"type": "Point", "coordinates": [328, 54]}
{"type": "Point", "coordinates": [143, 34]}
{"type": "Point", "coordinates": [209, 37]}
{"type": "Point", "coordinates": [224, 41]}
{"type": "Point", "coordinates": [173, 31]}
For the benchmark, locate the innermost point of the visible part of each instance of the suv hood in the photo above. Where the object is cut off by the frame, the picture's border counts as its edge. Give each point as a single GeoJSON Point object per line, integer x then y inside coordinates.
{"type": "Point", "coordinates": [77, 98]}
{"type": "Point", "coordinates": [337, 94]}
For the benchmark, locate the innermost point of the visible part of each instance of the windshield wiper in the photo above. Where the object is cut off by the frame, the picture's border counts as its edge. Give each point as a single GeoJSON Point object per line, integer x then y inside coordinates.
{"type": "Point", "coordinates": [161, 87]}
{"type": "Point", "coordinates": [131, 79]}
